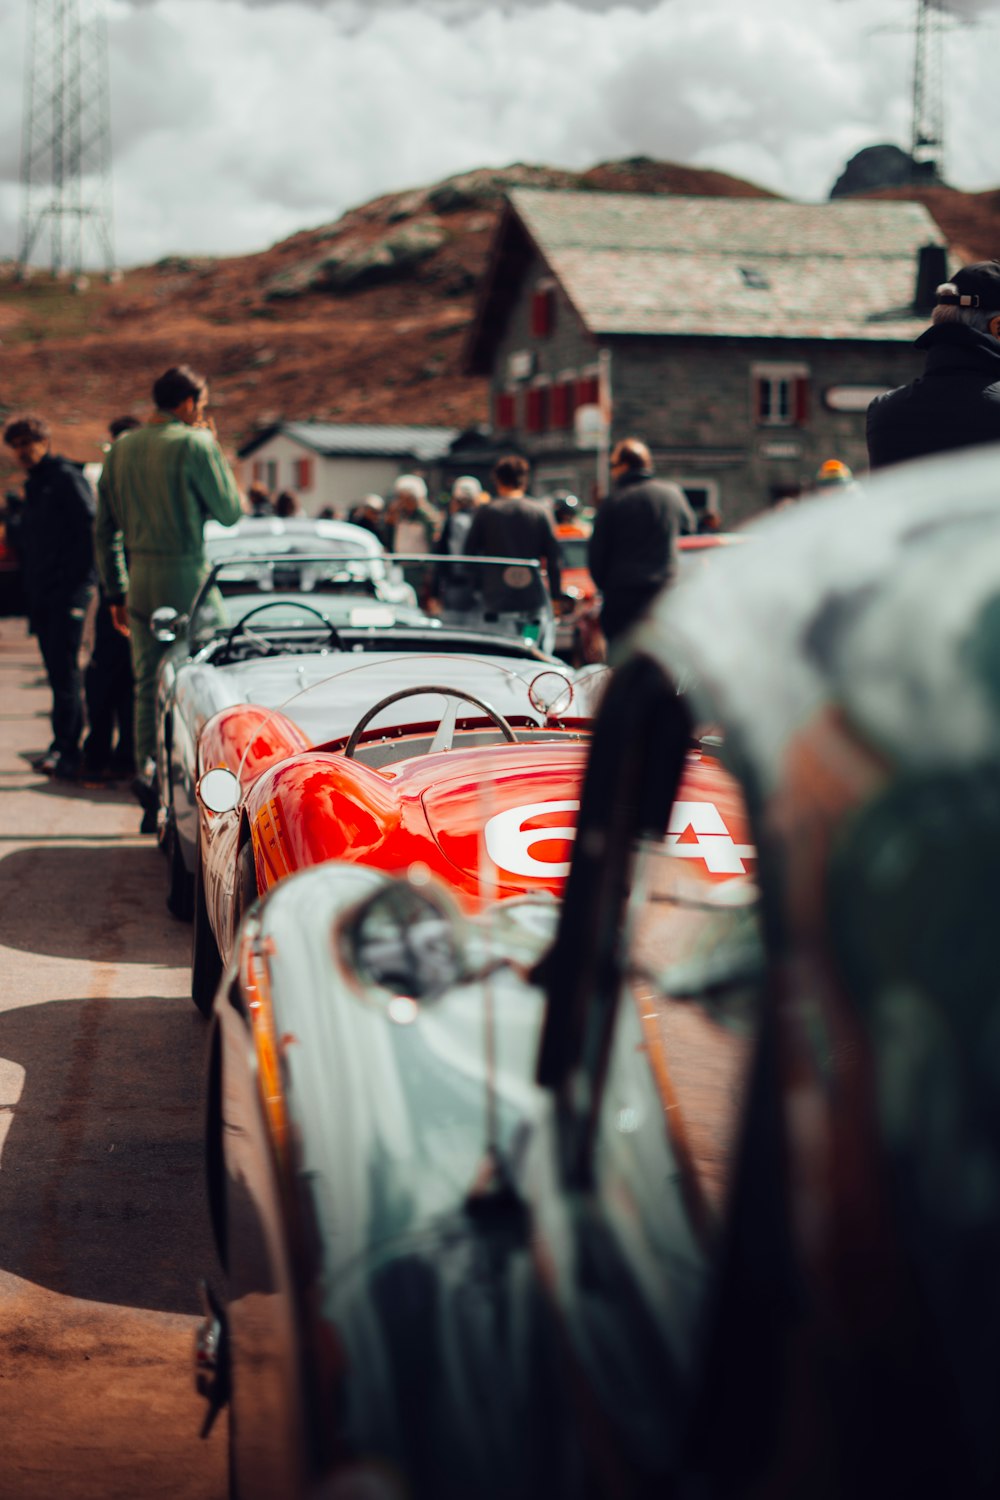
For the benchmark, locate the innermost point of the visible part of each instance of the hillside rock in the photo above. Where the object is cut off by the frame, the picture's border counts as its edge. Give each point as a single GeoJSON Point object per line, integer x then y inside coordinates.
{"type": "Point", "coordinates": [874, 167]}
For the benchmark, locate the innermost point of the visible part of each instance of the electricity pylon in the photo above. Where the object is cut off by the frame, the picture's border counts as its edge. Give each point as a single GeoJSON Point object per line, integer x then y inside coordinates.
{"type": "Point", "coordinates": [927, 142]}
{"type": "Point", "coordinates": [66, 141]}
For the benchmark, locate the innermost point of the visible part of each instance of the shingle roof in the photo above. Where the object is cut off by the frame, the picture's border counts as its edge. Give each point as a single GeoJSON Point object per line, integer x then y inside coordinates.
{"type": "Point", "coordinates": [423, 443]}
{"type": "Point", "coordinates": [632, 263]}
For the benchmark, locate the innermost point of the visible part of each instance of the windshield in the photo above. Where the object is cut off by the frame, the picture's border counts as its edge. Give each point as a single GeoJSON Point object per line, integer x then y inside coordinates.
{"type": "Point", "coordinates": [256, 604]}
{"type": "Point", "coordinates": [238, 543]}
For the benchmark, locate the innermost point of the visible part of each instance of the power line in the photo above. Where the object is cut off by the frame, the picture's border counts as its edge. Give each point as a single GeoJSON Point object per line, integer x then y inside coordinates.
{"type": "Point", "coordinates": [66, 139]}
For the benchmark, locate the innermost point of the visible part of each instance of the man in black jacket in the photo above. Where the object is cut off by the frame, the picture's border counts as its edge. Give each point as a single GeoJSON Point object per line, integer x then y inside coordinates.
{"type": "Point", "coordinates": [956, 402]}
{"type": "Point", "coordinates": [631, 549]}
{"type": "Point", "coordinates": [513, 525]}
{"type": "Point", "coordinates": [56, 542]}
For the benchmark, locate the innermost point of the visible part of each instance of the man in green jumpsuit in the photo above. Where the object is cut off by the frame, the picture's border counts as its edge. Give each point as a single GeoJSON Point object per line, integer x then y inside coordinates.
{"type": "Point", "coordinates": [159, 484]}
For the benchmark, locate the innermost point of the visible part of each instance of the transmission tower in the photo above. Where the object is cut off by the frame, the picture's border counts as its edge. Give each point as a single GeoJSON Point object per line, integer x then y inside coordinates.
{"type": "Point", "coordinates": [927, 143]}
{"type": "Point", "coordinates": [66, 141]}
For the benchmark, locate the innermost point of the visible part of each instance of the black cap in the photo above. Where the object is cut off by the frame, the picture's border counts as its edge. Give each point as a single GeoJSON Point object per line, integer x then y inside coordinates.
{"type": "Point", "coordinates": [977, 285]}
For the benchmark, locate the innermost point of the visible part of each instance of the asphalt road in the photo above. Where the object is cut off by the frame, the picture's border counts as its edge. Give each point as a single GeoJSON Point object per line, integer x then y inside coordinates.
{"type": "Point", "coordinates": [103, 1228]}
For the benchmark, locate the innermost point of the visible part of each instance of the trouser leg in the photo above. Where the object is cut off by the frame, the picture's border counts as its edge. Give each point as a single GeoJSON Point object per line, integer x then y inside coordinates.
{"type": "Point", "coordinates": [60, 629]}
{"type": "Point", "coordinates": [146, 656]}
{"type": "Point", "coordinates": [123, 709]}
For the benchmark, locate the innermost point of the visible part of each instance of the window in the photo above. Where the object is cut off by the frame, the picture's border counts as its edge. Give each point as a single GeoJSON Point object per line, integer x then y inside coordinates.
{"type": "Point", "coordinates": [780, 395]}
{"type": "Point", "coordinates": [505, 411]}
{"type": "Point", "coordinates": [302, 468]}
{"type": "Point", "coordinates": [543, 310]}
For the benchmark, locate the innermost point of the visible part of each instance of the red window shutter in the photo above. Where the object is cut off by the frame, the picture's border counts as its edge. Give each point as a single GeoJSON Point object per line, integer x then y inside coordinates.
{"type": "Point", "coordinates": [506, 414]}
{"type": "Point", "coordinates": [588, 391]}
{"type": "Point", "coordinates": [303, 473]}
{"type": "Point", "coordinates": [532, 411]}
{"type": "Point", "coordinates": [801, 400]}
{"type": "Point", "coordinates": [543, 305]}
{"type": "Point", "coordinates": [258, 470]}
{"type": "Point", "coordinates": [544, 405]}
{"type": "Point", "coordinates": [560, 405]}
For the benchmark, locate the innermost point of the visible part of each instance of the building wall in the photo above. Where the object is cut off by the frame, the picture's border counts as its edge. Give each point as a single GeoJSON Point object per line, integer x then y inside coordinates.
{"type": "Point", "coordinates": [337, 482]}
{"type": "Point", "coordinates": [693, 401]}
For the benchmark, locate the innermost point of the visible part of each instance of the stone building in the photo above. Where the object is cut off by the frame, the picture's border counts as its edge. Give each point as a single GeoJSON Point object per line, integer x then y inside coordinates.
{"type": "Point", "coordinates": [741, 338]}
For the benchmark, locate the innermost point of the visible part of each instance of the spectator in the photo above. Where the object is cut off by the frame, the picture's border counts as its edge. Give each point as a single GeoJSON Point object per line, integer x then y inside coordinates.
{"type": "Point", "coordinates": [566, 510]}
{"type": "Point", "coordinates": [370, 513]}
{"type": "Point", "coordinates": [956, 402]}
{"type": "Point", "coordinates": [466, 495]}
{"type": "Point", "coordinates": [632, 546]}
{"type": "Point", "coordinates": [833, 476]}
{"type": "Point", "coordinates": [55, 539]}
{"type": "Point", "coordinates": [259, 500]}
{"type": "Point", "coordinates": [159, 485]}
{"type": "Point", "coordinates": [412, 523]}
{"type": "Point", "coordinates": [513, 525]}
{"type": "Point", "coordinates": [108, 684]}
{"type": "Point", "coordinates": [412, 527]}
{"type": "Point", "coordinates": [288, 504]}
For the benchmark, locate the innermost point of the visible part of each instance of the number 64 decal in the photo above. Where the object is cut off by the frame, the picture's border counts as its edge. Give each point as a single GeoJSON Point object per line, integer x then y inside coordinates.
{"type": "Point", "coordinates": [509, 843]}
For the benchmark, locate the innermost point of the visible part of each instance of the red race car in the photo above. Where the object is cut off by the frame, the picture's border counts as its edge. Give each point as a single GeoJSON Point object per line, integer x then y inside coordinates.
{"type": "Point", "coordinates": [472, 774]}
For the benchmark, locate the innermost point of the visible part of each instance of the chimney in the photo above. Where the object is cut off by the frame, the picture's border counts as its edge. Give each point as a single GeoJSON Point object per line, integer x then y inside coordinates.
{"type": "Point", "coordinates": [932, 270]}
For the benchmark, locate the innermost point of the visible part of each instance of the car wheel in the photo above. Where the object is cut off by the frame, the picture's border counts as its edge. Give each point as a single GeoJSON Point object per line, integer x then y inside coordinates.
{"type": "Point", "coordinates": [180, 890]}
{"type": "Point", "coordinates": [206, 962]}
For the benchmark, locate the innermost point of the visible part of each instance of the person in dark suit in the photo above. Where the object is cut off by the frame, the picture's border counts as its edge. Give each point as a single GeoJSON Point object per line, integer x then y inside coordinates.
{"type": "Point", "coordinates": [631, 552]}
{"type": "Point", "coordinates": [56, 544]}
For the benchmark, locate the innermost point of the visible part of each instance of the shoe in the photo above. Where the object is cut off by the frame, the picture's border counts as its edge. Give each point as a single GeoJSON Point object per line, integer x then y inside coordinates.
{"type": "Point", "coordinates": [65, 770]}
{"type": "Point", "coordinates": [148, 824]}
{"type": "Point", "coordinates": [146, 789]}
{"type": "Point", "coordinates": [46, 763]}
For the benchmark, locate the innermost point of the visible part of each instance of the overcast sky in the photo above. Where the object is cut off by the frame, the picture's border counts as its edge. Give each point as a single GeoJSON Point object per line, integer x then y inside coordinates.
{"type": "Point", "coordinates": [237, 122]}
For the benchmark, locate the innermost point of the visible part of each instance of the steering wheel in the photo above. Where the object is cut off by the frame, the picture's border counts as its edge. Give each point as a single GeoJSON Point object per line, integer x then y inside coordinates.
{"type": "Point", "coordinates": [240, 628]}
{"type": "Point", "coordinates": [446, 728]}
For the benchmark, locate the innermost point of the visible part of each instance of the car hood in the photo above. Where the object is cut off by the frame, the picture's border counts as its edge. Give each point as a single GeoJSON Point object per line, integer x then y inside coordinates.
{"type": "Point", "coordinates": [513, 828]}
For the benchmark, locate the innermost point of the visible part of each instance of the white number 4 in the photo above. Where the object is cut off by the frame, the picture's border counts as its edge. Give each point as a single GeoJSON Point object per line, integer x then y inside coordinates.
{"type": "Point", "coordinates": [712, 840]}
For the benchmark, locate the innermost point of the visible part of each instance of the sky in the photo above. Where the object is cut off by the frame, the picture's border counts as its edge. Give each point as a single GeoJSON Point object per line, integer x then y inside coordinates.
{"type": "Point", "coordinates": [238, 122]}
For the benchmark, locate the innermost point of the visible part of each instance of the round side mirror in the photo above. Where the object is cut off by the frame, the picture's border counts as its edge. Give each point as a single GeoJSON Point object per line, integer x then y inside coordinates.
{"type": "Point", "coordinates": [550, 693]}
{"type": "Point", "coordinates": [165, 624]}
{"type": "Point", "coordinates": [219, 790]}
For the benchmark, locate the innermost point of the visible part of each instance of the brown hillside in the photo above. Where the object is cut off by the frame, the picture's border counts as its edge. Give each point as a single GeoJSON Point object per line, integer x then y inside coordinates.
{"type": "Point", "coordinates": [361, 320]}
{"type": "Point", "coordinates": [970, 221]}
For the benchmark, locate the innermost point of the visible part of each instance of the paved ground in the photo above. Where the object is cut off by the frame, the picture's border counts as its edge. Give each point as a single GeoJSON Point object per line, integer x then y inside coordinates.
{"type": "Point", "coordinates": [103, 1231]}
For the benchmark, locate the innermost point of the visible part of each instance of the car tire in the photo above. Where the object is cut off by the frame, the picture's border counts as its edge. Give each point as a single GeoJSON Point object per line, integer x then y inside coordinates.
{"type": "Point", "coordinates": [180, 888]}
{"type": "Point", "coordinates": [206, 962]}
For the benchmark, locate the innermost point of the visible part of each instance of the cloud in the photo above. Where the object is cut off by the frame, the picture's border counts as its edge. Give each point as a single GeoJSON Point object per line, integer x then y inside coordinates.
{"type": "Point", "coordinates": [237, 124]}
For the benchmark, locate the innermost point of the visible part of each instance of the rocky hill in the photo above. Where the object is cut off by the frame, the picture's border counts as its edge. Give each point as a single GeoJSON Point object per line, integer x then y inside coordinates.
{"type": "Point", "coordinates": [361, 320]}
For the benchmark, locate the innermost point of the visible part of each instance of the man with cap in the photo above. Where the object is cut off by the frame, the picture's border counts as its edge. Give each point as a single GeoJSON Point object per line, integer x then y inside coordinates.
{"type": "Point", "coordinates": [956, 402]}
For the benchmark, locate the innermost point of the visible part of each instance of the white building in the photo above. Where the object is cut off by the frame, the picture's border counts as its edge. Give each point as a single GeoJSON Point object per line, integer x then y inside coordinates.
{"type": "Point", "coordinates": [333, 466]}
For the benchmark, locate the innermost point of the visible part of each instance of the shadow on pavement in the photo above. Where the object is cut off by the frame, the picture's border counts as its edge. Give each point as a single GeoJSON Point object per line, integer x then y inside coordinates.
{"type": "Point", "coordinates": [101, 1177]}
{"type": "Point", "coordinates": [91, 902]}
